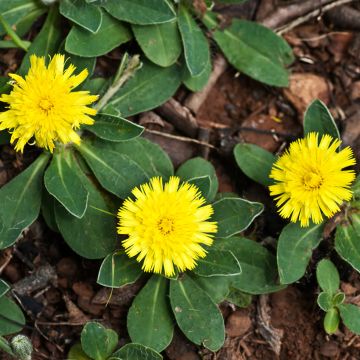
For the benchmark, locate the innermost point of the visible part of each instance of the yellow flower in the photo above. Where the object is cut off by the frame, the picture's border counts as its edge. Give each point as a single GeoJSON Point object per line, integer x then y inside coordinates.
{"type": "Point", "coordinates": [166, 225]}
{"type": "Point", "coordinates": [42, 108]}
{"type": "Point", "coordinates": [310, 181]}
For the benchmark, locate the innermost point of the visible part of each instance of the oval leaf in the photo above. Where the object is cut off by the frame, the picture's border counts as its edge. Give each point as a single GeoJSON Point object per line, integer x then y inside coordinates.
{"type": "Point", "coordinates": [218, 263]}
{"type": "Point", "coordinates": [350, 315]}
{"type": "Point", "coordinates": [161, 42]}
{"type": "Point", "coordinates": [97, 341]}
{"type": "Point", "coordinates": [197, 168]}
{"type": "Point", "coordinates": [324, 300]}
{"type": "Point", "coordinates": [81, 13]}
{"type": "Point", "coordinates": [118, 270]}
{"type": "Point", "coordinates": [196, 47]}
{"type": "Point", "coordinates": [347, 242]}
{"type": "Point", "coordinates": [62, 181]}
{"type": "Point", "coordinates": [234, 215]}
{"type": "Point", "coordinates": [196, 314]}
{"type": "Point", "coordinates": [142, 12]}
{"type": "Point", "coordinates": [254, 162]}
{"type": "Point", "coordinates": [197, 83]}
{"type": "Point", "coordinates": [20, 201]}
{"type": "Point", "coordinates": [150, 87]}
{"type": "Point", "coordinates": [94, 235]}
{"type": "Point", "coordinates": [253, 49]}
{"type": "Point", "coordinates": [114, 128]}
{"type": "Point", "coordinates": [294, 250]}
{"type": "Point", "coordinates": [331, 321]}
{"type": "Point", "coordinates": [110, 35]}
{"type": "Point", "coordinates": [328, 277]}
{"type": "Point", "coordinates": [217, 287]}
{"type": "Point", "coordinates": [318, 119]}
{"type": "Point", "coordinates": [12, 319]}
{"type": "Point", "coordinates": [258, 266]}
{"type": "Point", "coordinates": [135, 351]}
{"type": "Point", "coordinates": [112, 170]}
{"type": "Point", "coordinates": [149, 320]}
{"type": "Point", "coordinates": [77, 353]}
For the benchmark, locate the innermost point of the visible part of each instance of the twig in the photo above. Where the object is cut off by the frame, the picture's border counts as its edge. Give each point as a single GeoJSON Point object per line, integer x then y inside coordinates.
{"type": "Point", "coordinates": [195, 100]}
{"type": "Point", "coordinates": [271, 335]}
{"type": "Point", "coordinates": [180, 138]}
{"type": "Point", "coordinates": [180, 116]}
{"type": "Point", "coordinates": [311, 15]}
{"type": "Point", "coordinates": [282, 15]}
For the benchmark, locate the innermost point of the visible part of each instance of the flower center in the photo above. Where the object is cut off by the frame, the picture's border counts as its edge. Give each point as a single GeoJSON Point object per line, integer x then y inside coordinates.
{"type": "Point", "coordinates": [45, 105]}
{"type": "Point", "coordinates": [312, 181]}
{"type": "Point", "coordinates": [165, 226]}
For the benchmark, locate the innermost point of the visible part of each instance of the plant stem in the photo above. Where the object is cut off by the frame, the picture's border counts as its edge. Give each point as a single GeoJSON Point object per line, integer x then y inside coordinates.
{"type": "Point", "coordinates": [126, 70]}
{"type": "Point", "coordinates": [14, 36]}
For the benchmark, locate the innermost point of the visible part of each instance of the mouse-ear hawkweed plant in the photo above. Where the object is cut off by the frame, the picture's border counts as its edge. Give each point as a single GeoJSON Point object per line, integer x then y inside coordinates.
{"type": "Point", "coordinates": [310, 180]}
{"type": "Point", "coordinates": [166, 225]}
{"type": "Point", "coordinates": [42, 106]}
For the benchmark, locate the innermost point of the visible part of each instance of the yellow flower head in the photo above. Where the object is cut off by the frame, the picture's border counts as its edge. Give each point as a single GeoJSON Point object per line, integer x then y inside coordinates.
{"type": "Point", "coordinates": [310, 181]}
{"type": "Point", "coordinates": [42, 107]}
{"type": "Point", "coordinates": [166, 225]}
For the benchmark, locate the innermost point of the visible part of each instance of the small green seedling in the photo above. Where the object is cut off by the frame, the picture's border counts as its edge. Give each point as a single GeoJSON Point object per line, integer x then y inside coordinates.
{"type": "Point", "coordinates": [99, 343]}
{"type": "Point", "coordinates": [331, 300]}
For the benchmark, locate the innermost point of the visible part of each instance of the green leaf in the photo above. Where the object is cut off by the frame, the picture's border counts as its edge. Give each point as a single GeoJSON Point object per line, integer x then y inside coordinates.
{"type": "Point", "coordinates": [117, 270]}
{"type": "Point", "coordinates": [5, 346]}
{"type": "Point", "coordinates": [20, 201]}
{"type": "Point", "coordinates": [97, 341]}
{"type": "Point", "coordinates": [4, 288]}
{"type": "Point", "coordinates": [149, 320]}
{"type": "Point", "coordinates": [217, 287]}
{"type": "Point", "coordinates": [258, 265]}
{"type": "Point", "coordinates": [196, 47]}
{"type": "Point", "coordinates": [239, 298]}
{"type": "Point", "coordinates": [197, 83]}
{"type": "Point", "coordinates": [46, 42]}
{"type": "Point", "coordinates": [20, 14]}
{"type": "Point", "coordinates": [350, 315]}
{"type": "Point", "coordinates": [48, 210]}
{"type": "Point", "coordinates": [338, 298]}
{"type": "Point", "coordinates": [114, 128]}
{"type": "Point", "coordinates": [110, 35]}
{"type": "Point", "coordinates": [81, 13]}
{"type": "Point", "coordinates": [294, 250]}
{"type": "Point", "coordinates": [196, 314]}
{"type": "Point", "coordinates": [196, 168]}
{"type": "Point", "coordinates": [63, 182]}
{"type": "Point", "coordinates": [135, 352]}
{"type": "Point", "coordinates": [12, 319]}
{"type": "Point", "coordinates": [253, 49]}
{"type": "Point", "coordinates": [160, 42]}
{"type": "Point", "coordinates": [347, 242]}
{"type": "Point", "coordinates": [234, 215]}
{"type": "Point", "coordinates": [77, 353]}
{"type": "Point", "coordinates": [254, 162]}
{"type": "Point", "coordinates": [327, 276]}
{"type": "Point", "coordinates": [141, 12]}
{"type": "Point", "coordinates": [148, 155]}
{"type": "Point", "coordinates": [324, 301]}
{"type": "Point", "coordinates": [150, 87]}
{"type": "Point", "coordinates": [218, 263]}
{"type": "Point", "coordinates": [94, 235]}
{"type": "Point", "coordinates": [318, 119]}
{"type": "Point", "coordinates": [112, 169]}
{"type": "Point", "coordinates": [203, 183]}
{"type": "Point", "coordinates": [331, 321]}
